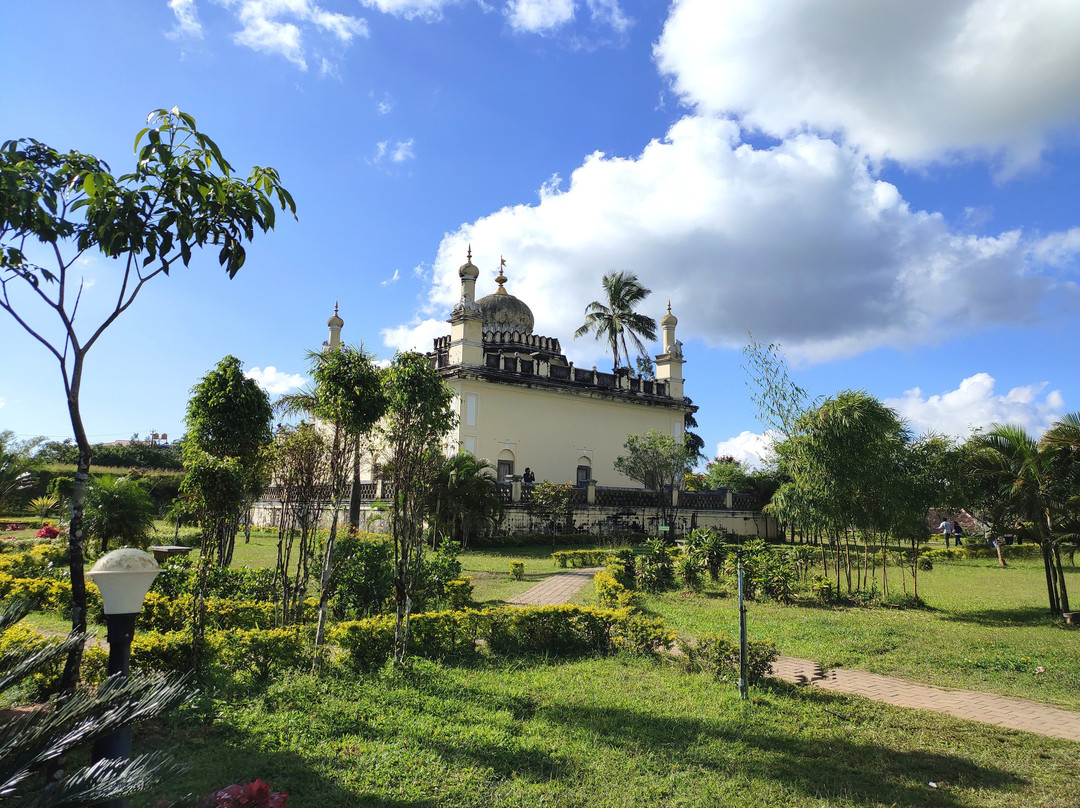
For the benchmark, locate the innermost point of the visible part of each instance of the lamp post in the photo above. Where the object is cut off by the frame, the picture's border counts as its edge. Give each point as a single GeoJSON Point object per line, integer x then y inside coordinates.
{"type": "Point", "coordinates": [124, 577]}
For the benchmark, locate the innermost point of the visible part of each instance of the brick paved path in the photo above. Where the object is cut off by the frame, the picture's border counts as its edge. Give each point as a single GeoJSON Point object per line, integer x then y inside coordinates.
{"type": "Point", "coordinates": [556, 589]}
{"type": "Point", "coordinates": [1003, 711]}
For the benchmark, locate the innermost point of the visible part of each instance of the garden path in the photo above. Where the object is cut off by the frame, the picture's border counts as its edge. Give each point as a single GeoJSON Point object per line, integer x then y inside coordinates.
{"type": "Point", "coordinates": [988, 708]}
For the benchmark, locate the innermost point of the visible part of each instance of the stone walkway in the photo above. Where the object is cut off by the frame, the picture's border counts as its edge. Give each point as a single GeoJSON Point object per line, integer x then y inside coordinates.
{"type": "Point", "coordinates": [555, 589]}
{"type": "Point", "coordinates": [1002, 711]}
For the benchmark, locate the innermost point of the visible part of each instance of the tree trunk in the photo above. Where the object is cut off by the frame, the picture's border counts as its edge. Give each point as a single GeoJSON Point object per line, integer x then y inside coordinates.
{"type": "Point", "coordinates": [1063, 593]}
{"type": "Point", "coordinates": [354, 495]}
{"type": "Point", "coordinates": [76, 562]}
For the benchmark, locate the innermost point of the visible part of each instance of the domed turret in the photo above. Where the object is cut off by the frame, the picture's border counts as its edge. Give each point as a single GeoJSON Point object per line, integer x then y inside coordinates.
{"type": "Point", "coordinates": [504, 312]}
{"type": "Point", "coordinates": [334, 323]}
{"type": "Point", "coordinates": [669, 319]}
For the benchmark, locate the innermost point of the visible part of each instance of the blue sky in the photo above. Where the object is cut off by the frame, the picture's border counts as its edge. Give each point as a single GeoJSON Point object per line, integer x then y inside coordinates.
{"type": "Point", "coordinates": [888, 189]}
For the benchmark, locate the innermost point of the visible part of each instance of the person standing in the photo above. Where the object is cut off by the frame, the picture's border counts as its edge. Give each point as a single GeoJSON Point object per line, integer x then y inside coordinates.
{"type": "Point", "coordinates": [946, 528]}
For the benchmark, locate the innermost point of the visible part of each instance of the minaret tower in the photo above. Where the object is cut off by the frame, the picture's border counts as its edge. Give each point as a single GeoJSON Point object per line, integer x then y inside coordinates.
{"type": "Point", "coordinates": [335, 323]}
{"type": "Point", "coordinates": [467, 321]}
{"type": "Point", "coordinates": [669, 363]}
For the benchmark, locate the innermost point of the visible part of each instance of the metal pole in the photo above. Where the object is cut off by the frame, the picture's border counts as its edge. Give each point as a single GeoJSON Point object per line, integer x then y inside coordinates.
{"type": "Point", "coordinates": [120, 630]}
{"type": "Point", "coordinates": [742, 629]}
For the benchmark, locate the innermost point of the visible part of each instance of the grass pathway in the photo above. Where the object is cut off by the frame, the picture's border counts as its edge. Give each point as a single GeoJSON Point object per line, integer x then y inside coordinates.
{"type": "Point", "coordinates": [988, 708]}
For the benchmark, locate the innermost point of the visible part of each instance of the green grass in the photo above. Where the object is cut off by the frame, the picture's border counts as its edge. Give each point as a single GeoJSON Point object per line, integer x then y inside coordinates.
{"type": "Point", "coordinates": [984, 628]}
{"type": "Point", "coordinates": [612, 732]}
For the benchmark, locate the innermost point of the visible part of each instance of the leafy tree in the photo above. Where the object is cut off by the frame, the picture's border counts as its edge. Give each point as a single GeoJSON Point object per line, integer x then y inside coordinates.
{"type": "Point", "coordinates": [779, 400]}
{"type": "Point", "coordinates": [726, 472]}
{"type": "Point", "coordinates": [118, 508]}
{"type": "Point", "coordinates": [465, 499]}
{"type": "Point", "coordinates": [36, 739]}
{"type": "Point", "coordinates": [551, 502]}
{"type": "Point", "coordinates": [301, 467]}
{"type": "Point", "coordinates": [229, 421]}
{"type": "Point", "coordinates": [693, 441]}
{"type": "Point", "coordinates": [181, 195]}
{"type": "Point", "coordinates": [659, 462]}
{"type": "Point", "coordinates": [1032, 479]}
{"type": "Point", "coordinates": [614, 319]}
{"type": "Point", "coordinates": [346, 394]}
{"type": "Point", "coordinates": [844, 461]}
{"type": "Point", "coordinates": [17, 462]}
{"type": "Point", "coordinates": [419, 415]}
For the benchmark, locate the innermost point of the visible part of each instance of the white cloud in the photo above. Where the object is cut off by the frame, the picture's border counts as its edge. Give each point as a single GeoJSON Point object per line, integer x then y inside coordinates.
{"type": "Point", "coordinates": [411, 9]}
{"type": "Point", "coordinates": [274, 381]}
{"type": "Point", "coordinates": [798, 243]}
{"type": "Point", "coordinates": [974, 404]}
{"type": "Point", "coordinates": [281, 27]}
{"type": "Point", "coordinates": [398, 153]}
{"type": "Point", "coordinates": [187, 19]}
{"type": "Point", "coordinates": [3, 401]}
{"type": "Point", "coordinates": [385, 105]}
{"type": "Point", "coordinates": [396, 277]}
{"type": "Point", "coordinates": [916, 81]}
{"type": "Point", "coordinates": [415, 336]}
{"type": "Point", "coordinates": [537, 16]}
{"type": "Point", "coordinates": [749, 448]}
{"type": "Point", "coordinates": [403, 151]}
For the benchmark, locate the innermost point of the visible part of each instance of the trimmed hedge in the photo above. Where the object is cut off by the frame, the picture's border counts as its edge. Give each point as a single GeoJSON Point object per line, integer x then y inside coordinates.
{"type": "Point", "coordinates": [582, 558]}
{"type": "Point", "coordinates": [556, 631]}
{"type": "Point", "coordinates": [718, 654]}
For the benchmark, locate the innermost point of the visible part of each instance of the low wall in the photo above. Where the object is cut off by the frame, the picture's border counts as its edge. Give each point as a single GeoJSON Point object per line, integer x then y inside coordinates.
{"type": "Point", "coordinates": [596, 520]}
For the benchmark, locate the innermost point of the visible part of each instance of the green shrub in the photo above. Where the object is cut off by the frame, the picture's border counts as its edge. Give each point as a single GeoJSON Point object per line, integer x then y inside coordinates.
{"type": "Point", "coordinates": [581, 558]}
{"type": "Point", "coordinates": [718, 654]}
{"type": "Point", "coordinates": [44, 681]}
{"type": "Point", "coordinates": [556, 631]}
{"type": "Point", "coordinates": [44, 594]}
{"type": "Point", "coordinates": [168, 651]}
{"type": "Point", "coordinates": [656, 569]}
{"type": "Point", "coordinates": [362, 582]}
{"type": "Point", "coordinates": [612, 594]}
{"type": "Point", "coordinates": [517, 570]}
{"type": "Point", "coordinates": [252, 656]}
{"type": "Point", "coordinates": [459, 593]}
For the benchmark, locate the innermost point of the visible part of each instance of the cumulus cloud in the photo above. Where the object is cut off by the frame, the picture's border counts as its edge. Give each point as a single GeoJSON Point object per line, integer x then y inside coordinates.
{"type": "Point", "coordinates": [274, 381]}
{"type": "Point", "coordinates": [975, 404]}
{"type": "Point", "coordinates": [916, 81]}
{"type": "Point", "coordinates": [752, 449]}
{"type": "Point", "coordinates": [417, 335]}
{"type": "Point", "coordinates": [797, 242]}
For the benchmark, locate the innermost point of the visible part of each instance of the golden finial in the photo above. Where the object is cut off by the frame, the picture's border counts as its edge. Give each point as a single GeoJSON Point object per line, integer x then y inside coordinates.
{"type": "Point", "coordinates": [669, 305]}
{"type": "Point", "coordinates": [501, 277]}
{"type": "Point", "coordinates": [468, 255]}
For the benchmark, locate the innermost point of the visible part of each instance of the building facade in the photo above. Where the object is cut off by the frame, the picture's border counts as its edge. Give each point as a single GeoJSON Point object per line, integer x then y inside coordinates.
{"type": "Point", "coordinates": [521, 404]}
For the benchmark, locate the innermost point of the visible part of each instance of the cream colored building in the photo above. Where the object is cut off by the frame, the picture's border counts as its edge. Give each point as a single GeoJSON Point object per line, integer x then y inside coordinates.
{"type": "Point", "coordinates": [521, 404]}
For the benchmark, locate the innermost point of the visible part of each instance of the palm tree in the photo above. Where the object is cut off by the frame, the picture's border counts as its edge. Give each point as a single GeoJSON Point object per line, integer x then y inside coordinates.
{"type": "Point", "coordinates": [465, 499]}
{"type": "Point", "coordinates": [616, 319]}
{"type": "Point", "coordinates": [1027, 476]}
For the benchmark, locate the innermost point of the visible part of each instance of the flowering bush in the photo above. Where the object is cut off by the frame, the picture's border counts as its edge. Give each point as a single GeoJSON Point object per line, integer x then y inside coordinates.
{"type": "Point", "coordinates": [256, 794]}
{"type": "Point", "coordinates": [47, 532]}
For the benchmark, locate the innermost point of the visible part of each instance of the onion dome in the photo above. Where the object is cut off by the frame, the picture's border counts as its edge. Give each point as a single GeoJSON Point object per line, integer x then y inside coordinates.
{"type": "Point", "coordinates": [335, 321]}
{"type": "Point", "coordinates": [504, 312]}
{"type": "Point", "coordinates": [468, 270]}
{"type": "Point", "coordinates": [669, 318]}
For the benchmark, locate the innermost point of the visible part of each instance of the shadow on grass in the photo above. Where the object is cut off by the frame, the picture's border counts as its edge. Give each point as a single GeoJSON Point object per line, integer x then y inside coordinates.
{"type": "Point", "coordinates": [819, 765]}
{"type": "Point", "coordinates": [1017, 616]}
{"type": "Point", "coordinates": [216, 758]}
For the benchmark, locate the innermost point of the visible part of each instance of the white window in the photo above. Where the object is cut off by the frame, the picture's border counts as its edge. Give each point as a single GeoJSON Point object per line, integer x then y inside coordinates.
{"type": "Point", "coordinates": [470, 410]}
{"type": "Point", "coordinates": [470, 445]}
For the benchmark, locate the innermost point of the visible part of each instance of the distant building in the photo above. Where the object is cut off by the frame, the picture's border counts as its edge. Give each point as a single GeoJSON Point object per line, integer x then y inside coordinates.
{"type": "Point", "coordinates": [521, 404]}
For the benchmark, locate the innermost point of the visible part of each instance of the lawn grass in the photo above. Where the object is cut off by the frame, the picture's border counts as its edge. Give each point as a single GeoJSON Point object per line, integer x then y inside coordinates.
{"type": "Point", "coordinates": [984, 628]}
{"type": "Point", "coordinates": [490, 570]}
{"type": "Point", "coordinates": [601, 732]}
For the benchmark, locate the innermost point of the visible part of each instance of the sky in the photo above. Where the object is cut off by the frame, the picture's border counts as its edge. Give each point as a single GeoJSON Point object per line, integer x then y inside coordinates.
{"type": "Point", "coordinates": [888, 190]}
